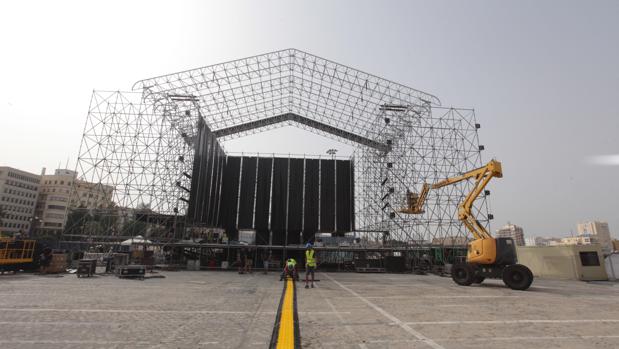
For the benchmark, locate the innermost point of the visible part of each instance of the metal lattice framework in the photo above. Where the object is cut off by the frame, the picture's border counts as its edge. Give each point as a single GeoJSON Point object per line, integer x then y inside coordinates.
{"type": "Point", "coordinates": [141, 142]}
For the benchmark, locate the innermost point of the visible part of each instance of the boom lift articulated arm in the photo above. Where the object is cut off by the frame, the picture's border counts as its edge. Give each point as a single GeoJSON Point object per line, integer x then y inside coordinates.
{"type": "Point", "coordinates": [482, 176]}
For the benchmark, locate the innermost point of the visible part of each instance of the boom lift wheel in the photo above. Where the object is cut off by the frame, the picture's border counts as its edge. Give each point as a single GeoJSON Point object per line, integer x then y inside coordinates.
{"type": "Point", "coordinates": [478, 279]}
{"type": "Point", "coordinates": [462, 274]}
{"type": "Point", "coordinates": [517, 277]}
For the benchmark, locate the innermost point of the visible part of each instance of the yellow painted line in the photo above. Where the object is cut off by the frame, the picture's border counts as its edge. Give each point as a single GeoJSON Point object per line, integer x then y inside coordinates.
{"type": "Point", "coordinates": [285, 337]}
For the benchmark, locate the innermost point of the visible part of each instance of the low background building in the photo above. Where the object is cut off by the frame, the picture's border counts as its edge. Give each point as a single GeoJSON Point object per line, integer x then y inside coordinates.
{"type": "Point", "coordinates": [537, 241]}
{"type": "Point", "coordinates": [584, 239]}
{"type": "Point", "coordinates": [554, 242]}
{"type": "Point", "coordinates": [598, 230]}
{"type": "Point", "coordinates": [530, 241]}
{"type": "Point", "coordinates": [512, 231]}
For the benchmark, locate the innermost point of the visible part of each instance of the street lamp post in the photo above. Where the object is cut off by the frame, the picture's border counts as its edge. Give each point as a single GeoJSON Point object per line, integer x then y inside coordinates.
{"type": "Point", "coordinates": [332, 152]}
{"type": "Point", "coordinates": [33, 220]}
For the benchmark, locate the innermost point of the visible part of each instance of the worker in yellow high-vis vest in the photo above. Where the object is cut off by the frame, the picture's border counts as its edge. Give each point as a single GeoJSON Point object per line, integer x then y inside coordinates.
{"type": "Point", "coordinates": [310, 264]}
{"type": "Point", "coordinates": [290, 269]}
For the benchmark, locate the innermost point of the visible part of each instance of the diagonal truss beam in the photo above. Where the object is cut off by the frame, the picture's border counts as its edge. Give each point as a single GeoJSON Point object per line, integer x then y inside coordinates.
{"type": "Point", "coordinates": [304, 121]}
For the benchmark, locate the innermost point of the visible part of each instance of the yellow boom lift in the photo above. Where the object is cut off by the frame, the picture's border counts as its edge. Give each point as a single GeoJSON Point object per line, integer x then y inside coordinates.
{"type": "Point", "coordinates": [487, 257]}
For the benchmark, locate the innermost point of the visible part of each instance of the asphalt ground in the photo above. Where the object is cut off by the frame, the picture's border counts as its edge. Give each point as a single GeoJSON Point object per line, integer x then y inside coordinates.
{"type": "Point", "coordinates": [344, 310]}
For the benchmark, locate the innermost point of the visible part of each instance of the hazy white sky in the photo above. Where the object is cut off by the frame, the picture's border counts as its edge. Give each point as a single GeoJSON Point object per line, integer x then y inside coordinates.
{"type": "Point", "coordinates": [543, 77]}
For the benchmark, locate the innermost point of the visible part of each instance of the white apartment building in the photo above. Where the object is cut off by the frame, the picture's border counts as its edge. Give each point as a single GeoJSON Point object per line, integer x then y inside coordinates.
{"type": "Point", "coordinates": [61, 192]}
{"type": "Point", "coordinates": [512, 231]}
{"type": "Point", "coordinates": [18, 197]}
{"type": "Point", "coordinates": [54, 196]}
{"type": "Point", "coordinates": [600, 231]}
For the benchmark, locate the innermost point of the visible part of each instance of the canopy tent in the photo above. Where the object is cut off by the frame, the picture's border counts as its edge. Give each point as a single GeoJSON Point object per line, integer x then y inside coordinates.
{"type": "Point", "coordinates": [139, 239]}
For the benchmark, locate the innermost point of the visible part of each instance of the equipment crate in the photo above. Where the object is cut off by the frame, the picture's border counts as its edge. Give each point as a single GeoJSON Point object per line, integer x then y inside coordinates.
{"type": "Point", "coordinates": [86, 267]}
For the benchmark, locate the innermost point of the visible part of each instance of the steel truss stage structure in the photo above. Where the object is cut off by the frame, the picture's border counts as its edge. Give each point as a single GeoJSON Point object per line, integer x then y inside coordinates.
{"type": "Point", "coordinates": [143, 142]}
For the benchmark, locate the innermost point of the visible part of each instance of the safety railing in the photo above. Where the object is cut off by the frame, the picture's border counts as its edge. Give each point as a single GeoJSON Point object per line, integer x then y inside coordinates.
{"type": "Point", "coordinates": [16, 251]}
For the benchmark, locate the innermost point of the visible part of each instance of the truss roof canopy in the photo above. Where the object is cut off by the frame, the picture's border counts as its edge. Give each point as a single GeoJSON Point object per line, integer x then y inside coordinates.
{"type": "Point", "coordinates": [263, 123]}
{"type": "Point", "coordinates": [323, 94]}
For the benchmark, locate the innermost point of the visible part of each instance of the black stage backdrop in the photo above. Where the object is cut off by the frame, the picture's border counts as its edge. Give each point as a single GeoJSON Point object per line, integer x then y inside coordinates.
{"type": "Point", "coordinates": [285, 195]}
{"type": "Point", "coordinates": [310, 217]}
{"type": "Point", "coordinates": [352, 195]}
{"type": "Point", "coordinates": [248, 188]}
{"type": "Point", "coordinates": [195, 200]}
{"type": "Point", "coordinates": [207, 180]}
{"type": "Point", "coordinates": [279, 196]}
{"type": "Point", "coordinates": [229, 196]}
{"type": "Point", "coordinates": [219, 172]}
{"type": "Point", "coordinates": [327, 196]}
{"type": "Point", "coordinates": [295, 201]}
{"type": "Point", "coordinates": [343, 196]}
{"type": "Point", "coordinates": [204, 195]}
{"type": "Point", "coordinates": [263, 198]}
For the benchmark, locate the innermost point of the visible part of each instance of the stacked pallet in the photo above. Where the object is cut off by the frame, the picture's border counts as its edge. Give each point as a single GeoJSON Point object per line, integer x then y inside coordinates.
{"type": "Point", "coordinates": [58, 263]}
